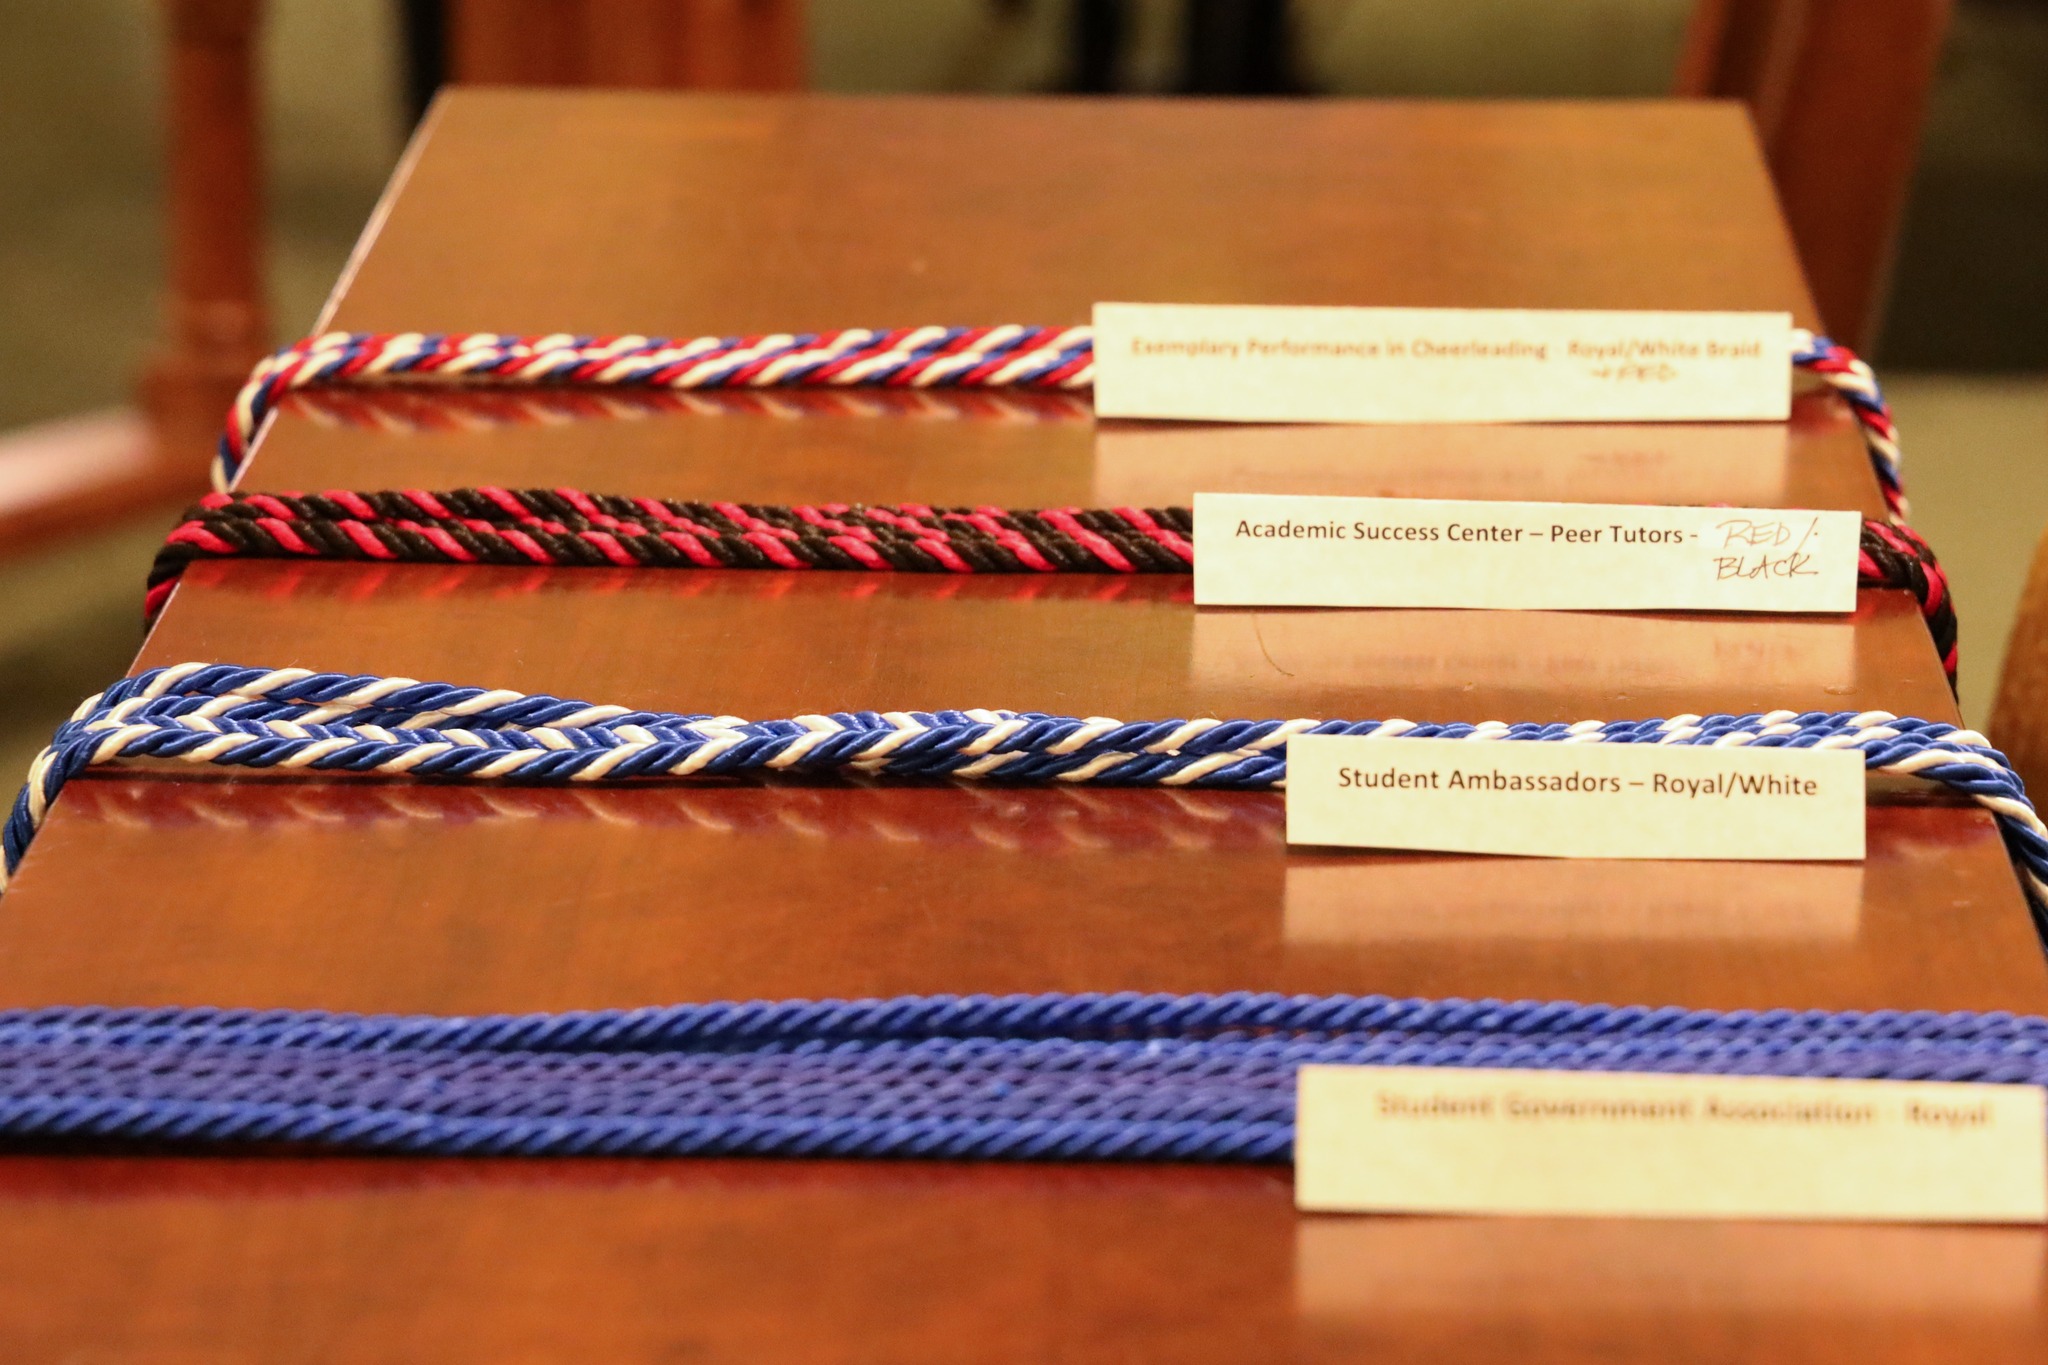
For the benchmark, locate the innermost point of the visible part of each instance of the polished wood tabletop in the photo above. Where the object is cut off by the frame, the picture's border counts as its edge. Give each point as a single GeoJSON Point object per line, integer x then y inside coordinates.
{"type": "Point", "coordinates": [617, 213]}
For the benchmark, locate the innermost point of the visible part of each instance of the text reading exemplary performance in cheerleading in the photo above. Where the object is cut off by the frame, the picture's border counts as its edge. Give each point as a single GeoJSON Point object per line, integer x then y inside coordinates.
{"type": "Point", "coordinates": [1233, 363]}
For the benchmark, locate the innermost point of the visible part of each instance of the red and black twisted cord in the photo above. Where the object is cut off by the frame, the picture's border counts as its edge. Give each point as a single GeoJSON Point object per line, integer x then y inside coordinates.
{"type": "Point", "coordinates": [1892, 555]}
{"type": "Point", "coordinates": [567, 528]}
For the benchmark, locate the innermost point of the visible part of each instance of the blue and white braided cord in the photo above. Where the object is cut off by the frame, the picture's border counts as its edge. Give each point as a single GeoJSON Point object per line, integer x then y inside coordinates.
{"type": "Point", "coordinates": [231, 716]}
{"type": "Point", "coordinates": [1098, 1077]}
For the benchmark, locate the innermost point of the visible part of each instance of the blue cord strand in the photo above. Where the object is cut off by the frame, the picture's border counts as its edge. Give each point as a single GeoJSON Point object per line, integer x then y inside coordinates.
{"type": "Point", "coordinates": [231, 716]}
{"type": "Point", "coordinates": [1096, 1077]}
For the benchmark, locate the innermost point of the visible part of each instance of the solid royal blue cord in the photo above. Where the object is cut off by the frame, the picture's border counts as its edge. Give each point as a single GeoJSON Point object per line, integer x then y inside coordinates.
{"type": "Point", "coordinates": [1116, 1077]}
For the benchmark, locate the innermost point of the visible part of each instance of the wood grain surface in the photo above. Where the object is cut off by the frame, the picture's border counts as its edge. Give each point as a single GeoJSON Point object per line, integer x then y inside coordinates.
{"type": "Point", "coordinates": [608, 213]}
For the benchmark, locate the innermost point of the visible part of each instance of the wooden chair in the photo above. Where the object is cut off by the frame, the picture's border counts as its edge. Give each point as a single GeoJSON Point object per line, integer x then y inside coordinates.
{"type": "Point", "coordinates": [70, 476]}
{"type": "Point", "coordinates": [2019, 715]}
{"type": "Point", "coordinates": [216, 319]}
{"type": "Point", "coordinates": [638, 44]}
{"type": "Point", "coordinates": [88, 472]}
{"type": "Point", "coordinates": [1838, 90]}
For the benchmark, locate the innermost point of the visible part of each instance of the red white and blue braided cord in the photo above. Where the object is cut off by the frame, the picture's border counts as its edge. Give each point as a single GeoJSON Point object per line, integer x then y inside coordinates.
{"type": "Point", "coordinates": [1137, 1077]}
{"type": "Point", "coordinates": [908, 357]}
{"type": "Point", "coordinates": [911, 358]}
{"type": "Point", "coordinates": [229, 716]}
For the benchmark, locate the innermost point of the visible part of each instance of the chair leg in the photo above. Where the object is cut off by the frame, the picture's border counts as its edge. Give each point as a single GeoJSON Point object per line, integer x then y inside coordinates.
{"type": "Point", "coordinates": [1239, 47]}
{"type": "Point", "coordinates": [424, 24]}
{"type": "Point", "coordinates": [1097, 31]}
{"type": "Point", "coordinates": [1838, 91]}
{"type": "Point", "coordinates": [217, 324]}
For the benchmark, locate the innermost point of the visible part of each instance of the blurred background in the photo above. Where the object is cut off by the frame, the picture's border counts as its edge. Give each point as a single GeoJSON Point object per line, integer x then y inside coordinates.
{"type": "Point", "coordinates": [1961, 340]}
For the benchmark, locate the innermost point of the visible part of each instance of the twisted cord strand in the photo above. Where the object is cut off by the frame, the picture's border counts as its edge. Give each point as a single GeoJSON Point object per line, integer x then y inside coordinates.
{"type": "Point", "coordinates": [231, 716]}
{"type": "Point", "coordinates": [566, 527]}
{"type": "Point", "coordinates": [1059, 358]}
{"type": "Point", "coordinates": [1126, 1076]}
{"type": "Point", "coordinates": [1894, 556]}
{"type": "Point", "coordinates": [1022, 359]}
{"type": "Point", "coordinates": [1842, 370]}
{"type": "Point", "coordinates": [908, 357]}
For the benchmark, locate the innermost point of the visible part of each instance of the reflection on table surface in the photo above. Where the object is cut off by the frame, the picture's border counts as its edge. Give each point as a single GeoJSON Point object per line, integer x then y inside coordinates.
{"type": "Point", "coordinates": [1596, 653]}
{"type": "Point", "coordinates": [1355, 1272]}
{"type": "Point", "coordinates": [999, 819]}
{"type": "Point", "coordinates": [1120, 645]}
{"type": "Point", "coordinates": [648, 1263]}
{"type": "Point", "coordinates": [1018, 448]}
{"type": "Point", "coordinates": [446, 407]}
{"type": "Point", "coordinates": [1739, 463]}
{"type": "Point", "coordinates": [1333, 902]}
{"type": "Point", "coordinates": [401, 895]}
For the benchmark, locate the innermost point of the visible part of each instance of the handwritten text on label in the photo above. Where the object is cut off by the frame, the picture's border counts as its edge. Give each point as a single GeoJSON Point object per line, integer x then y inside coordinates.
{"type": "Point", "coordinates": [1274, 550]}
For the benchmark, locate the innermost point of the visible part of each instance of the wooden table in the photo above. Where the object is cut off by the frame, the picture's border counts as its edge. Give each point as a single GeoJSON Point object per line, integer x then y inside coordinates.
{"type": "Point", "coordinates": [607, 213]}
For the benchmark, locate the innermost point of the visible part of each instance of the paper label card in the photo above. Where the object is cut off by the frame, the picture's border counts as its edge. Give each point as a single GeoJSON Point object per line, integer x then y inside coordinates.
{"type": "Point", "coordinates": [1443, 1140]}
{"type": "Point", "coordinates": [1275, 550]}
{"type": "Point", "coordinates": [1575, 800]}
{"type": "Point", "coordinates": [1241, 363]}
